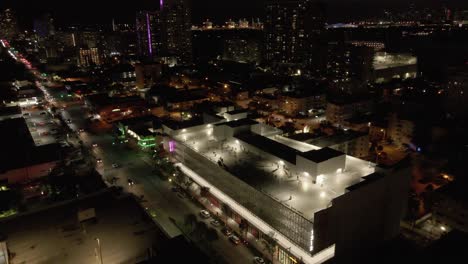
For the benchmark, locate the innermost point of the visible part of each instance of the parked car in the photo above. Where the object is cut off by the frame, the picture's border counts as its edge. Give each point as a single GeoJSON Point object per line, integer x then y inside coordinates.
{"type": "Point", "coordinates": [205, 214]}
{"type": "Point", "coordinates": [234, 239]}
{"type": "Point", "coordinates": [130, 182]}
{"type": "Point", "coordinates": [99, 161]}
{"type": "Point", "coordinates": [216, 223]}
{"type": "Point", "coordinates": [259, 260]}
{"type": "Point", "coordinates": [181, 195]}
{"type": "Point", "coordinates": [226, 231]}
{"type": "Point", "coordinates": [95, 145]}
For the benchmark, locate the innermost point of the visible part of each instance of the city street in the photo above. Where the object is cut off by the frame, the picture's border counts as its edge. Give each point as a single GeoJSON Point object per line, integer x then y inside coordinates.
{"type": "Point", "coordinates": [124, 164]}
{"type": "Point", "coordinates": [158, 196]}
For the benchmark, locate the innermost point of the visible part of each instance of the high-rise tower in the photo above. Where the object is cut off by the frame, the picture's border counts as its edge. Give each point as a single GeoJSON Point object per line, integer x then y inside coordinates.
{"type": "Point", "coordinates": [294, 33]}
{"type": "Point", "coordinates": [177, 29]}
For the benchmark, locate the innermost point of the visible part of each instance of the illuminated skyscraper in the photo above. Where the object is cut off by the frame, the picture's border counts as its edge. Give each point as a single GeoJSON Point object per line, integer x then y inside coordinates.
{"type": "Point", "coordinates": [148, 29]}
{"type": "Point", "coordinates": [8, 24]}
{"type": "Point", "coordinates": [177, 29]}
{"type": "Point", "coordinates": [89, 57]}
{"type": "Point", "coordinates": [44, 26]}
{"type": "Point", "coordinates": [294, 32]}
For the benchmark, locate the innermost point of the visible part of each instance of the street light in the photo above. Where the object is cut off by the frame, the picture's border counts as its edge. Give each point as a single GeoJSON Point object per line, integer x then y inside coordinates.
{"type": "Point", "coordinates": [100, 250]}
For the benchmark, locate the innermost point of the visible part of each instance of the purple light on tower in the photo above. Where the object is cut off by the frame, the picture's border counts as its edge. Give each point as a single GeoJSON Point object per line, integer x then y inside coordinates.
{"type": "Point", "coordinates": [161, 3]}
{"type": "Point", "coordinates": [148, 28]}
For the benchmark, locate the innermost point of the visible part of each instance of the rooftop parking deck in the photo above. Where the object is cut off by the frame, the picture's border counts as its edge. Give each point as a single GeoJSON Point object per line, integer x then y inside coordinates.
{"type": "Point", "coordinates": [269, 175]}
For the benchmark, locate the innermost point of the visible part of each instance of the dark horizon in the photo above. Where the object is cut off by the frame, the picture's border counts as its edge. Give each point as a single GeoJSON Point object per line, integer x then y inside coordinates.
{"type": "Point", "coordinates": [87, 12]}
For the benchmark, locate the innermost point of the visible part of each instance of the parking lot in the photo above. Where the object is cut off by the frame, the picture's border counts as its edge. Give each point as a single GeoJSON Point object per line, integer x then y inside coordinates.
{"type": "Point", "coordinates": [43, 127]}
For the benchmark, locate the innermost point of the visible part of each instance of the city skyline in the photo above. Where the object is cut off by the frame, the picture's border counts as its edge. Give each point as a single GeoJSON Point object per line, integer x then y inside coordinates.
{"type": "Point", "coordinates": [338, 10]}
{"type": "Point", "coordinates": [234, 132]}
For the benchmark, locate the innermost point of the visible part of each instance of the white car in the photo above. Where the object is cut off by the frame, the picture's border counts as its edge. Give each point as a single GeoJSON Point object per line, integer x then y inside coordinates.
{"type": "Point", "coordinates": [205, 214]}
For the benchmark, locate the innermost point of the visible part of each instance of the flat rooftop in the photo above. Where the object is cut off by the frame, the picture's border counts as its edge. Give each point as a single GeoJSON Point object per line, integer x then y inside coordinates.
{"type": "Point", "coordinates": [56, 236]}
{"type": "Point", "coordinates": [265, 175]}
{"type": "Point", "coordinates": [239, 123]}
{"type": "Point", "coordinates": [337, 138]}
{"type": "Point", "coordinates": [383, 60]}
{"type": "Point", "coordinates": [22, 151]}
{"type": "Point", "coordinates": [176, 125]}
{"type": "Point", "coordinates": [10, 110]}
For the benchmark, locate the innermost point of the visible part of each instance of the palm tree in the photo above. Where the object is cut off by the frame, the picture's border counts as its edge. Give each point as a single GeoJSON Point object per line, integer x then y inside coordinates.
{"type": "Point", "coordinates": [211, 235]}
{"type": "Point", "coordinates": [190, 221]}
{"type": "Point", "coordinates": [201, 229]}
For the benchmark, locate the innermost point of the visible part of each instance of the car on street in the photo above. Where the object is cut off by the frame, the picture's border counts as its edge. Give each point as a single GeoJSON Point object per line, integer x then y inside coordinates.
{"type": "Point", "coordinates": [69, 121]}
{"type": "Point", "coordinates": [226, 231]}
{"type": "Point", "coordinates": [205, 214]}
{"type": "Point", "coordinates": [81, 130]}
{"type": "Point", "coordinates": [216, 223]}
{"type": "Point", "coordinates": [130, 182]}
{"type": "Point", "coordinates": [115, 165]}
{"type": "Point", "coordinates": [181, 195]}
{"type": "Point", "coordinates": [95, 145]}
{"type": "Point", "coordinates": [234, 239]}
{"type": "Point", "coordinates": [99, 161]}
{"type": "Point", "coordinates": [259, 260]}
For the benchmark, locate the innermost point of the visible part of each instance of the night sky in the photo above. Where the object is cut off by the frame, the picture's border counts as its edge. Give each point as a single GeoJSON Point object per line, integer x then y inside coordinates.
{"type": "Point", "coordinates": [100, 11]}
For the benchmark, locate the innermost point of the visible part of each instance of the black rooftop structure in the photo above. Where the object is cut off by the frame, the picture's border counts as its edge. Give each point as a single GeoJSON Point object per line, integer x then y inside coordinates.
{"type": "Point", "coordinates": [239, 123]}
{"type": "Point", "coordinates": [321, 155]}
{"type": "Point", "coordinates": [268, 145]}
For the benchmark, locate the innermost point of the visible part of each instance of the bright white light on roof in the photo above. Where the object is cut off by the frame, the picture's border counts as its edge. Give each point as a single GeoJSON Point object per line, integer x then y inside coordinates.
{"type": "Point", "coordinates": [305, 186]}
{"type": "Point", "coordinates": [323, 195]}
{"type": "Point", "coordinates": [311, 240]}
{"type": "Point", "coordinates": [281, 162]}
{"type": "Point", "coordinates": [443, 228]}
{"type": "Point", "coordinates": [320, 179]}
{"type": "Point", "coordinates": [237, 141]}
{"type": "Point", "coordinates": [340, 170]}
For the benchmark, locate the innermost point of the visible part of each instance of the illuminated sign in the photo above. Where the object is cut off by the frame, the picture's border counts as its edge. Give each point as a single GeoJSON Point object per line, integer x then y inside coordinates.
{"type": "Point", "coordinates": [172, 146]}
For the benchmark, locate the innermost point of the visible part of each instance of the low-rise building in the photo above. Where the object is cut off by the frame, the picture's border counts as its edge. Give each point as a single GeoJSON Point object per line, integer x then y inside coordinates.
{"type": "Point", "coordinates": [21, 159]}
{"type": "Point", "coordinates": [309, 203]}
{"type": "Point", "coordinates": [10, 112]}
{"type": "Point", "coordinates": [451, 206]}
{"type": "Point", "coordinates": [147, 74]}
{"type": "Point", "coordinates": [340, 110]}
{"type": "Point", "coordinates": [400, 129]}
{"type": "Point", "coordinates": [111, 109]}
{"type": "Point", "coordinates": [293, 104]}
{"type": "Point", "coordinates": [387, 66]}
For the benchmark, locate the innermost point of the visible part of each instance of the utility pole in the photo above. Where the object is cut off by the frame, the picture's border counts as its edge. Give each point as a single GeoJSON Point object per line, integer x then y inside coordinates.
{"type": "Point", "coordinates": [100, 250]}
